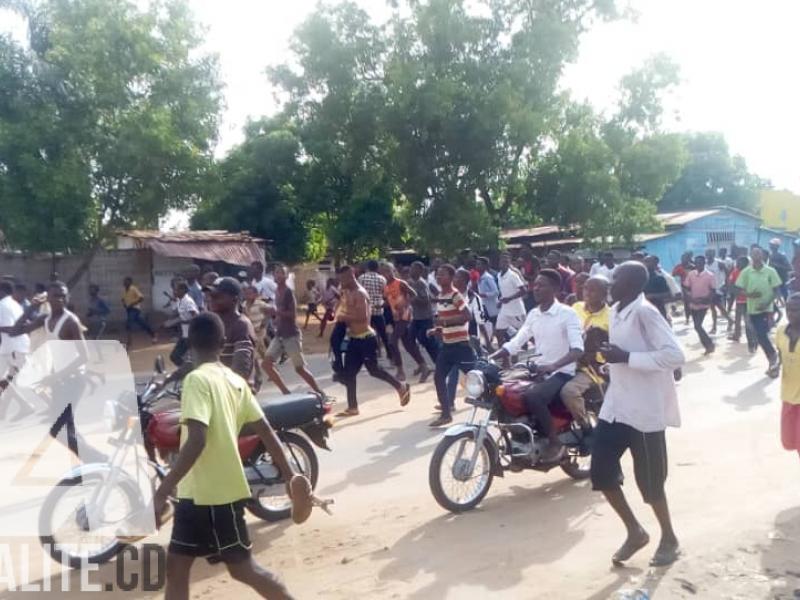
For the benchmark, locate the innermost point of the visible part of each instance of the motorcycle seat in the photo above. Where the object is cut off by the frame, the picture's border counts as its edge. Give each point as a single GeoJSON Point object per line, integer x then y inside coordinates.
{"type": "Point", "coordinates": [291, 410]}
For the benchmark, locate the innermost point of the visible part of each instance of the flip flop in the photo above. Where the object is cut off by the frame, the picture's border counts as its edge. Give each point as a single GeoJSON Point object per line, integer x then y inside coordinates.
{"type": "Point", "coordinates": [665, 556]}
{"type": "Point", "coordinates": [348, 413]}
{"type": "Point", "coordinates": [302, 498]}
{"type": "Point", "coordinates": [628, 549]}
{"type": "Point", "coordinates": [405, 396]}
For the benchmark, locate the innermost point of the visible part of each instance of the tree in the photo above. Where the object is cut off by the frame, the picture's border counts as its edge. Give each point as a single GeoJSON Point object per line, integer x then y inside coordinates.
{"type": "Point", "coordinates": [472, 100]}
{"type": "Point", "coordinates": [336, 101]}
{"type": "Point", "coordinates": [107, 120]}
{"type": "Point", "coordinates": [713, 177]}
{"type": "Point", "coordinates": [257, 191]}
{"type": "Point", "coordinates": [607, 175]}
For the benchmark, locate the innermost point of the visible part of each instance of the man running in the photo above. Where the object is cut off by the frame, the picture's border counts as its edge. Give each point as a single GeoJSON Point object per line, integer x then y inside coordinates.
{"type": "Point", "coordinates": [640, 403]}
{"type": "Point", "coordinates": [132, 300]}
{"type": "Point", "coordinates": [362, 347]}
{"type": "Point", "coordinates": [399, 295]}
{"type": "Point", "coordinates": [681, 271]}
{"type": "Point", "coordinates": [700, 288]}
{"type": "Point", "coordinates": [512, 308]}
{"type": "Point", "coordinates": [374, 283]}
{"type": "Point", "coordinates": [238, 351]}
{"type": "Point", "coordinates": [14, 351]}
{"type": "Point", "coordinates": [422, 309]}
{"type": "Point", "coordinates": [288, 338]}
{"type": "Point", "coordinates": [761, 285]}
{"type": "Point", "coordinates": [212, 488]}
{"type": "Point", "coordinates": [187, 310]}
{"type": "Point", "coordinates": [718, 302]}
{"type": "Point", "coordinates": [488, 292]}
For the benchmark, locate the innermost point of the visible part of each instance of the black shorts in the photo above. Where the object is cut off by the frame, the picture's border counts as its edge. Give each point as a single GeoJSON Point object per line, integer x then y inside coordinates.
{"type": "Point", "coordinates": [649, 452]}
{"type": "Point", "coordinates": [217, 533]}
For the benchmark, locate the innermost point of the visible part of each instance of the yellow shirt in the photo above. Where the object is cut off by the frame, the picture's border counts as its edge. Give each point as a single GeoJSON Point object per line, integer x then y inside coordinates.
{"type": "Point", "coordinates": [131, 296]}
{"type": "Point", "coordinates": [220, 399]}
{"type": "Point", "coordinates": [790, 369]}
{"type": "Point", "coordinates": [599, 319]}
{"type": "Point", "coordinates": [590, 319]}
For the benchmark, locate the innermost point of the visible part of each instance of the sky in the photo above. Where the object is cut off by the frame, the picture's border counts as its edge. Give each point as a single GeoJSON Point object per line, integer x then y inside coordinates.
{"type": "Point", "coordinates": [738, 74]}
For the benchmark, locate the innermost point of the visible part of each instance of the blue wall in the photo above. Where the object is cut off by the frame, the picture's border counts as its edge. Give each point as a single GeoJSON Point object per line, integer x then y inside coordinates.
{"type": "Point", "coordinates": [694, 237]}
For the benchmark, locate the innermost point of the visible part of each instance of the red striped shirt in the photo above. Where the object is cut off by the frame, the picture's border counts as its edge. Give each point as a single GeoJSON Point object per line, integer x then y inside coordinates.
{"type": "Point", "coordinates": [451, 305]}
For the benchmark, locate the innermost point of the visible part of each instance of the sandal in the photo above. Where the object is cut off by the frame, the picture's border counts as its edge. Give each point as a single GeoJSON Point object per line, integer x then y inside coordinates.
{"type": "Point", "coordinates": [405, 395]}
{"type": "Point", "coordinates": [629, 548]}
{"type": "Point", "coordinates": [350, 412]}
{"type": "Point", "coordinates": [302, 498]}
{"type": "Point", "coordinates": [665, 556]}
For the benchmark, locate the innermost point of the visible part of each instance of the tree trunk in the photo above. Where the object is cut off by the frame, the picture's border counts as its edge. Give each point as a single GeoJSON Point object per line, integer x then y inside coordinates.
{"type": "Point", "coordinates": [84, 266]}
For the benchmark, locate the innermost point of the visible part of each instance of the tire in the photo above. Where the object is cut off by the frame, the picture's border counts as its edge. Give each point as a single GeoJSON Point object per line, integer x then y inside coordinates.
{"type": "Point", "coordinates": [301, 448]}
{"type": "Point", "coordinates": [51, 544]}
{"type": "Point", "coordinates": [434, 473]}
{"type": "Point", "coordinates": [573, 468]}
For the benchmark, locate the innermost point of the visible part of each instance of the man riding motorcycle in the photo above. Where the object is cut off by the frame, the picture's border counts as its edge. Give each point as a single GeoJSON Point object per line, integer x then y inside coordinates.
{"type": "Point", "coordinates": [556, 331]}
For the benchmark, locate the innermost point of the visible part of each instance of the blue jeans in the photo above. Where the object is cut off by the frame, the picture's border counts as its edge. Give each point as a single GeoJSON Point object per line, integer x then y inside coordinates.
{"type": "Point", "coordinates": [458, 357]}
{"type": "Point", "coordinates": [135, 318]}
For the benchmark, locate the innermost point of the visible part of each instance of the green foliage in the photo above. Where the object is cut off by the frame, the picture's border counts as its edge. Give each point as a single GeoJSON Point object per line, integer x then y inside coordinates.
{"type": "Point", "coordinates": [107, 119]}
{"type": "Point", "coordinates": [713, 177]}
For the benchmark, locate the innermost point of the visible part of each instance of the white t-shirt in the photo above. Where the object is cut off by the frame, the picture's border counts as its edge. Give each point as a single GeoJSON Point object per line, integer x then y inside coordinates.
{"type": "Point", "coordinates": [432, 282]}
{"type": "Point", "coordinates": [266, 287]}
{"type": "Point", "coordinates": [187, 308]}
{"type": "Point", "coordinates": [510, 282]}
{"type": "Point", "coordinates": [601, 269]}
{"type": "Point", "coordinates": [720, 276]}
{"type": "Point", "coordinates": [10, 312]}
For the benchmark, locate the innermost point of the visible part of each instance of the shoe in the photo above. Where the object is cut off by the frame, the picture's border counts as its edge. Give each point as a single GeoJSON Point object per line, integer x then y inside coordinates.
{"type": "Point", "coordinates": [709, 350]}
{"type": "Point", "coordinates": [424, 374]}
{"type": "Point", "coordinates": [553, 453]}
{"type": "Point", "coordinates": [350, 412]}
{"type": "Point", "coordinates": [405, 395]}
{"type": "Point", "coordinates": [441, 422]}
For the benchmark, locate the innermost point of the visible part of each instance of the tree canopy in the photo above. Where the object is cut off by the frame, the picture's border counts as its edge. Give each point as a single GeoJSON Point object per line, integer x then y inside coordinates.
{"type": "Point", "coordinates": [108, 115]}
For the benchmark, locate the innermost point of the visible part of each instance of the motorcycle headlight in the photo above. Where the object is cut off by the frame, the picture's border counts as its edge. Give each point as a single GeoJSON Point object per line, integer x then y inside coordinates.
{"type": "Point", "coordinates": [476, 384]}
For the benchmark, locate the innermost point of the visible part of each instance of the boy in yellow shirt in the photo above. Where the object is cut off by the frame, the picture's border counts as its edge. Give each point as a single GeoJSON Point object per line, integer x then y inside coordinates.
{"type": "Point", "coordinates": [786, 340]}
{"type": "Point", "coordinates": [212, 488]}
{"type": "Point", "coordinates": [593, 313]}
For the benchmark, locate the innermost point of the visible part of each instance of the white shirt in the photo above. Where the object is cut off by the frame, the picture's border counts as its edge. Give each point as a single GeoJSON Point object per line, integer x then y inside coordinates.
{"type": "Point", "coordinates": [601, 269]}
{"type": "Point", "coordinates": [432, 282]}
{"type": "Point", "coordinates": [510, 282]}
{"type": "Point", "coordinates": [266, 287]}
{"type": "Point", "coordinates": [555, 332]}
{"type": "Point", "coordinates": [718, 271]}
{"type": "Point", "coordinates": [187, 308]}
{"type": "Point", "coordinates": [10, 312]}
{"type": "Point", "coordinates": [642, 392]}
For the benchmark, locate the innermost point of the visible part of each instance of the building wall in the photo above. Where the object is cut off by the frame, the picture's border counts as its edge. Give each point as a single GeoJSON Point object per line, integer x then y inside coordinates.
{"type": "Point", "coordinates": [108, 268]}
{"type": "Point", "coordinates": [716, 231]}
{"type": "Point", "coordinates": [780, 209]}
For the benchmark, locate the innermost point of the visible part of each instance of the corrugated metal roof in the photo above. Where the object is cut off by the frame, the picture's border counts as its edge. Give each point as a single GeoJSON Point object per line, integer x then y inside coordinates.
{"type": "Point", "coordinates": [210, 235]}
{"type": "Point", "coordinates": [676, 219]}
{"type": "Point", "coordinates": [529, 232]}
{"type": "Point", "coordinates": [649, 237]}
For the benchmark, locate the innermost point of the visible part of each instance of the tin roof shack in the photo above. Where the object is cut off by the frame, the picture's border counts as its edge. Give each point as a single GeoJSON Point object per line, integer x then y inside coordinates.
{"type": "Point", "coordinates": [697, 230]}
{"type": "Point", "coordinates": [172, 253]}
{"type": "Point", "coordinates": [542, 239]}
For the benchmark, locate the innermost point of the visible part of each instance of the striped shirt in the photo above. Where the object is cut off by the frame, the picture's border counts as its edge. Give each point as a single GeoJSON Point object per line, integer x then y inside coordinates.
{"type": "Point", "coordinates": [451, 305]}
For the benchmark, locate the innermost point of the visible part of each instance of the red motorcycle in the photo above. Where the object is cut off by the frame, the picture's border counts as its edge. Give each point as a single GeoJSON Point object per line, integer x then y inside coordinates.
{"type": "Point", "coordinates": [78, 522]}
{"type": "Point", "coordinates": [501, 436]}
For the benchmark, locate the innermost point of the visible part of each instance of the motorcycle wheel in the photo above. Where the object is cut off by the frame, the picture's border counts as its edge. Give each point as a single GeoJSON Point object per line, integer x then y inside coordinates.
{"type": "Point", "coordinates": [578, 467]}
{"type": "Point", "coordinates": [59, 549]}
{"type": "Point", "coordinates": [461, 447]}
{"type": "Point", "coordinates": [301, 455]}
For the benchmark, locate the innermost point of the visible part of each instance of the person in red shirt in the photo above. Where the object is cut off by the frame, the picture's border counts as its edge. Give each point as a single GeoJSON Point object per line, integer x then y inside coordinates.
{"type": "Point", "coordinates": [741, 309]}
{"type": "Point", "coordinates": [682, 271]}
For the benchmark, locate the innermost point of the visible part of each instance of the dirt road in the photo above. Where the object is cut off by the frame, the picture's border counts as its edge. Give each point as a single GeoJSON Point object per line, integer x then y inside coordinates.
{"type": "Point", "coordinates": [735, 497]}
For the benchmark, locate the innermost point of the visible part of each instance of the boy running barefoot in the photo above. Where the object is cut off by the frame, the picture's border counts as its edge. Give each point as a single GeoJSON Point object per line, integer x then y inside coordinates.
{"type": "Point", "coordinates": [211, 485]}
{"type": "Point", "coordinates": [786, 340]}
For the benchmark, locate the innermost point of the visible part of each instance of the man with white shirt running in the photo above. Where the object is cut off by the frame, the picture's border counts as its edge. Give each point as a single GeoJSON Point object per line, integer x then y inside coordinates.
{"type": "Point", "coordinates": [512, 308]}
{"type": "Point", "coordinates": [640, 403]}
{"type": "Point", "coordinates": [265, 285]}
{"type": "Point", "coordinates": [604, 267]}
{"type": "Point", "coordinates": [557, 333]}
{"type": "Point", "coordinates": [187, 310]}
{"type": "Point", "coordinates": [13, 350]}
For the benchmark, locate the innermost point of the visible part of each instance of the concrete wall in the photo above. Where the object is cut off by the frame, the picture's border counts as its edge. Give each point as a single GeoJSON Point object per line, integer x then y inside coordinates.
{"type": "Point", "coordinates": [108, 268]}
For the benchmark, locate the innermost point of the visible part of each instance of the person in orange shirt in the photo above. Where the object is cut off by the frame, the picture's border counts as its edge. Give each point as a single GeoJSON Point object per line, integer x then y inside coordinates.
{"type": "Point", "coordinates": [398, 295]}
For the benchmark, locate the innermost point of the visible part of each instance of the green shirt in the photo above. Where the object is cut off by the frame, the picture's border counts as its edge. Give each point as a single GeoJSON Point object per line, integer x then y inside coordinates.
{"type": "Point", "coordinates": [221, 400]}
{"type": "Point", "coordinates": [763, 280]}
